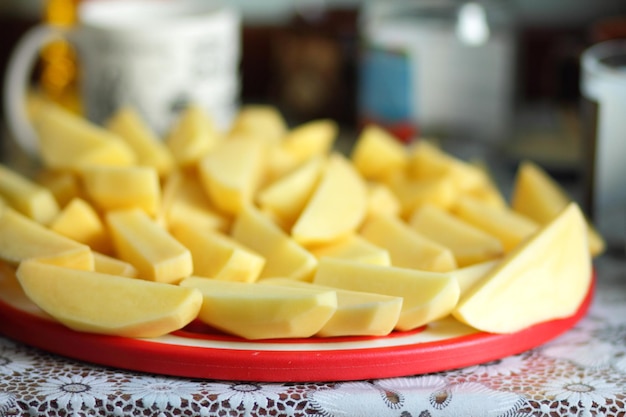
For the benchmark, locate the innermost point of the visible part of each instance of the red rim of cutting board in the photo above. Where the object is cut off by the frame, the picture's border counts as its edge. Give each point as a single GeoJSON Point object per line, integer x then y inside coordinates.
{"type": "Point", "coordinates": [198, 355]}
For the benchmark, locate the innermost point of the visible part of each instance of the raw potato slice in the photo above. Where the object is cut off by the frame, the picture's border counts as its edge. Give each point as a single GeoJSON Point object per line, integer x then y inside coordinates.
{"type": "Point", "coordinates": [93, 302]}
{"type": "Point", "coordinates": [232, 172]}
{"type": "Point", "coordinates": [27, 197]}
{"type": "Point", "coordinates": [68, 141]}
{"type": "Point", "coordinates": [192, 136]}
{"type": "Point", "coordinates": [539, 197]}
{"type": "Point", "coordinates": [426, 161]}
{"type": "Point", "coordinates": [337, 206]}
{"type": "Point", "coordinates": [79, 221]}
{"type": "Point", "coordinates": [506, 224]}
{"type": "Point", "coordinates": [140, 241]}
{"type": "Point", "coordinates": [255, 311]}
{"type": "Point", "coordinates": [469, 244]}
{"type": "Point", "coordinates": [413, 194]}
{"type": "Point", "coordinates": [469, 276]}
{"type": "Point", "coordinates": [381, 200]}
{"type": "Point", "coordinates": [358, 313]}
{"type": "Point", "coordinates": [287, 196]}
{"type": "Point", "coordinates": [23, 238]}
{"type": "Point", "coordinates": [216, 255]}
{"type": "Point", "coordinates": [377, 154]}
{"type": "Point", "coordinates": [148, 148]}
{"type": "Point", "coordinates": [427, 296]}
{"type": "Point", "coordinates": [406, 247]}
{"type": "Point", "coordinates": [546, 278]}
{"type": "Point", "coordinates": [62, 184]}
{"type": "Point", "coordinates": [310, 139]}
{"type": "Point", "coordinates": [185, 203]}
{"type": "Point", "coordinates": [109, 265]}
{"type": "Point", "coordinates": [116, 188]}
{"type": "Point", "coordinates": [354, 247]}
{"type": "Point", "coordinates": [284, 257]}
{"type": "Point", "coordinates": [260, 121]}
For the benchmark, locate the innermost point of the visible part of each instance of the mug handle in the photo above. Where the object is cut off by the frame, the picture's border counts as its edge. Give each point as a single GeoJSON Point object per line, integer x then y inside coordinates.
{"type": "Point", "coordinates": [16, 82]}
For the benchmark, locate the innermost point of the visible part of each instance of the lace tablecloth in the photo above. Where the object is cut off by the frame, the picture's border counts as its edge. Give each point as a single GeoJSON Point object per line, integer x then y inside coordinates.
{"type": "Point", "coordinates": [581, 373]}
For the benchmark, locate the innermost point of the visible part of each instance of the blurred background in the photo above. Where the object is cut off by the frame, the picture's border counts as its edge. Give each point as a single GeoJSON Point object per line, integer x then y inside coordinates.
{"type": "Point", "coordinates": [508, 76]}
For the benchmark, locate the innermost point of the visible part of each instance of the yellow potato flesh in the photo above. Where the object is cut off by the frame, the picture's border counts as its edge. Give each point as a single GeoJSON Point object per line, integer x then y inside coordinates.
{"type": "Point", "coordinates": [469, 244]}
{"type": "Point", "coordinates": [354, 247]}
{"type": "Point", "coordinates": [192, 136]}
{"type": "Point", "coordinates": [27, 197]}
{"type": "Point", "coordinates": [336, 208]}
{"type": "Point", "coordinates": [507, 225]}
{"type": "Point", "coordinates": [22, 238]}
{"type": "Point", "coordinates": [284, 257]}
{"type": "Point", "coordinates": [67, 141]}
{"type": "Point", "coordinates": [115, 188]}
{"type": "Point", "coordinates": [286, 197]}
{"type": "Point", "coordinates": [535, 282]}
{"type": "Point", "coordinates": [427, 296]}
{"type": "Point", "coordinates": [538, 196]}
{"type": "Point", "coordinates": [255, 311]}
{"type": "Point", "coordinates": [79, 221]}
{"type": "Point", "coordinates": [377, 154]}
{"type": "Point", "coordinates": [232, 172]}
{"type": "Point", "coordinates": [148, 148]}
{"type": "Point", "coordinates": [139, 240]}
{"type": "Point", "coordinates": [216, 255]}
{"type": "Point", "coordinates": [406, 247]}
{"type": "Point", "coordinates": [108, 304]}
{"type": "Point", "coordinates": [358, 313]}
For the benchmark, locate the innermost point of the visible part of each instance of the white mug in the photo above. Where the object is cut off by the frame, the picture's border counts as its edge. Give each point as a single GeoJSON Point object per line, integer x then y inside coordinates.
{"type": "Point", "coordinates": [154, 55]}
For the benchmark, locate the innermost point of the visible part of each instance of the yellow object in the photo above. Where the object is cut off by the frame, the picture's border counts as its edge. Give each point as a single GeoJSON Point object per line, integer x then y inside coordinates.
{"type": "Point", "coordinates": [216, 255]}
{"type": "Point", "coordinates": [260, 121]}
{"type": "Point", "coordinates": [108, 304]}
{"type": "Point", "coordinates": [149, 150]}
{"type": "Point", "coordinates": [468, 243]}
{"type": "Point", "coordinates": [377, 154]}
{"type": "Point", "coordinates": [284, 257]}
{"type": "Point", "coordinates": [185, 203]}
{"type": "Point", "coordinates": [113, 266]}
{"type": "Point", "coordinates": [70, 142]}
{"type": "Point", "coordinates": [23, 238]}
{"type": "Point", "coordinates": [79, 221]}
{"type": "Point", "coordinates": [545, 278]}
{"type": "Point", "coordinates": [337, 206]}
{"type": "Point", "coordinates": [506, 224]}
{"type": "Point", "coordinates": [116, 188]}
{"type": "Point", "coordinates": [310, 139]}
{"type": "Point", "coordinates": [286, 197]}
{"type": "Point", "coordinates": [381, 200]}
{"type": "Point", "coordinates": [62, 184]}
{"type": "Point", "coordinates": [137, 239]}
{"type": "Point", "coordinates": [27, 197]}
{"type": "Point", "coordinates": [192, 136]}
{"type": "Point", "coordinates": [413, 194]}
{"type": "Point", "coordinates": [427, 296]}
{"type": "Point", "coordinates": [538, 196]}
{"type": "Point", "coordinates": [59, 68]}
{"type": "Point", "coordinates": [469, 276]}
{"type": "Point", "coordinates": [255, 311]}
{"type": "Point", "coordinates": [356, 248]}
{"type": "Point", "coordinates": [407, 248]}
{"type": "Point", "coordinates": [232, 172]}
{"type": "Point", "coordinates": [357, 314]}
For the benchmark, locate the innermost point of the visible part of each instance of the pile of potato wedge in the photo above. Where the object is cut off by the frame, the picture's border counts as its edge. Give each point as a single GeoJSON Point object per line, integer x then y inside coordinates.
{"type": "Point", "coordinates": [266, 231]}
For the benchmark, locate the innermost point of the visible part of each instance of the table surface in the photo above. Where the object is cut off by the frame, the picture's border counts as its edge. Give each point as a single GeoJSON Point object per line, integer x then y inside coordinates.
{"type": "Point", "coordinates": [581, 373]}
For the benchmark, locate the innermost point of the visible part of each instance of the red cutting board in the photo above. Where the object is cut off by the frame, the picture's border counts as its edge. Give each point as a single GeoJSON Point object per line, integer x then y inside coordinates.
{"type": "Point", "coordinates": [199, 352]}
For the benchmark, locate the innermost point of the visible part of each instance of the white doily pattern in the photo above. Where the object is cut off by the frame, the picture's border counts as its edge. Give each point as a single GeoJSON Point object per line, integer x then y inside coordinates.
{"type": "Point", "coordinates": [581, 373]}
